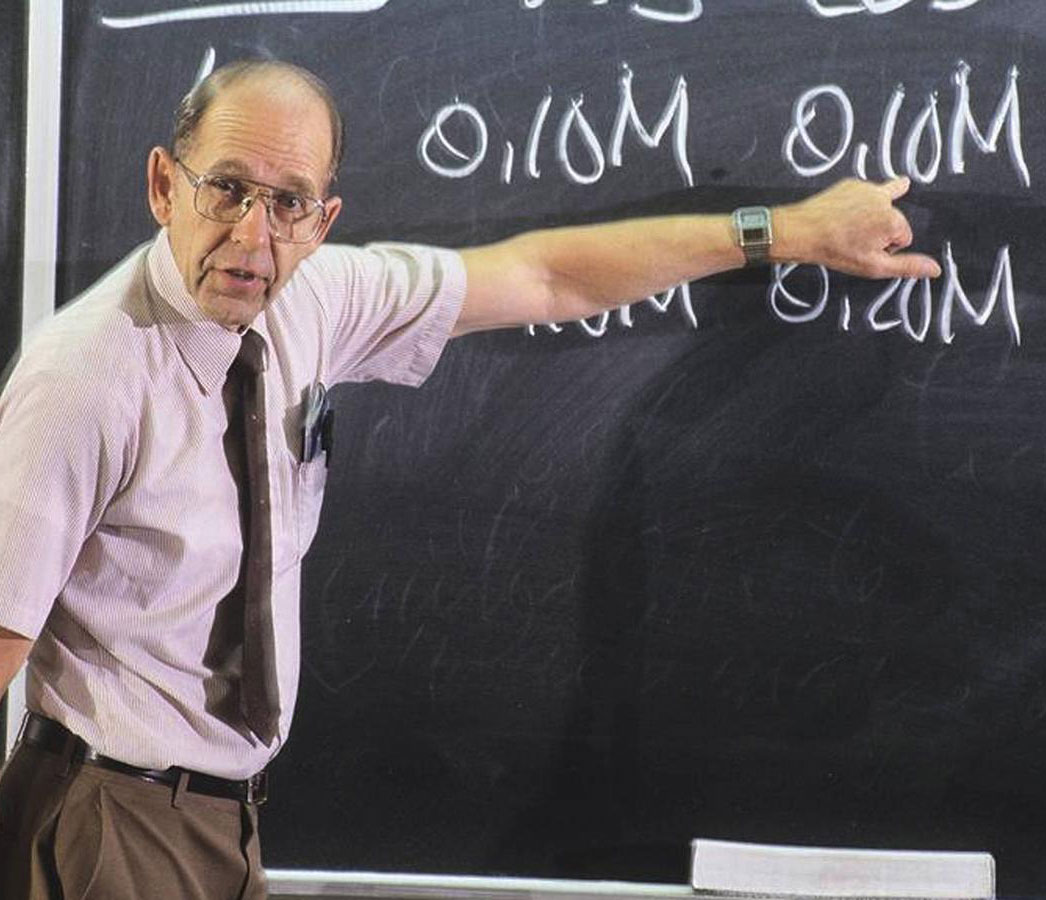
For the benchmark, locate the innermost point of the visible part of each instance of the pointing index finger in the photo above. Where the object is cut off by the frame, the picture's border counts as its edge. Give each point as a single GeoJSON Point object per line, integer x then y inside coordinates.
{"type": "Point", "coordinates": [897, 187]}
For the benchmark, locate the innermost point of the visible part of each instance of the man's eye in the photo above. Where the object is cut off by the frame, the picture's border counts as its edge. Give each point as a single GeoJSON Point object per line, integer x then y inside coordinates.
{"type": "Point", "coordinates": [293, 203]}
{"type": "Point", "coordinates": [233, 188]}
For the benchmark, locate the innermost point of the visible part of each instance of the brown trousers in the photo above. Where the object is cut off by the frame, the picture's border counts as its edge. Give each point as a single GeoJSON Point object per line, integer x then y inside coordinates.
{"type": "Point", "coordinates": [80, 832]}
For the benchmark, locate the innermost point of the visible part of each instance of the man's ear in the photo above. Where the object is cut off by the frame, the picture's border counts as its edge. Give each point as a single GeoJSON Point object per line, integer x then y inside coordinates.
{"type": "Point", "coordinates": [160, 173]}
{"type": "Point", "coordinates": [333, 205]}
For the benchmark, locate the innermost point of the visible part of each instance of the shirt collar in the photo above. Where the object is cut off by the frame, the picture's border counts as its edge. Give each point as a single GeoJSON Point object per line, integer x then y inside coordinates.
{"type": "Point", "coordinates": [207, 348]}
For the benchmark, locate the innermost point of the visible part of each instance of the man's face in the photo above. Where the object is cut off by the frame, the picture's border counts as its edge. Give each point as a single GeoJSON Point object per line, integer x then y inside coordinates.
{"type": "Point", "coordinates": [267, 129]}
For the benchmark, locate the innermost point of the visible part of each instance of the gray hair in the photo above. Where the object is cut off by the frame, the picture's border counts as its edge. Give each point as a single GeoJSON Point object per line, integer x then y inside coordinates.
{"type": "Point", "coordinates": [191, 110]}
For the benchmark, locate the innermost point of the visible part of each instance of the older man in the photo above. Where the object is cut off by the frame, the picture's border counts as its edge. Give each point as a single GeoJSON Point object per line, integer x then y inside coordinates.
{"type": "Point", "coordinates": [161, 480]}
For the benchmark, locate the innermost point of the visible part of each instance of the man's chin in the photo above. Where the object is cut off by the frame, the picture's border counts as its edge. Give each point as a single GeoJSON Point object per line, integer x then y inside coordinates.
{"type": "Point", "coordinates": [233, 311]}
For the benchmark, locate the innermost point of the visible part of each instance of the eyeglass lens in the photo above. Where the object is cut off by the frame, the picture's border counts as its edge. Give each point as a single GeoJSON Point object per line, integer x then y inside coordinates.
{"type": "Point", "coordinates": [292, 217]}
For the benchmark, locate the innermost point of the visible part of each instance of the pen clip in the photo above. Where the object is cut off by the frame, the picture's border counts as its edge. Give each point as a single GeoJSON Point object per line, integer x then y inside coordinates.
{"type": "Point", "coordinates": [317, 415]}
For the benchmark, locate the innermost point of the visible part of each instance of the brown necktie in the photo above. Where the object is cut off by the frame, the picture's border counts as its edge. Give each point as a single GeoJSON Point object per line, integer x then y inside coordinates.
{"type": "Point", "coordinates": [259, 694]}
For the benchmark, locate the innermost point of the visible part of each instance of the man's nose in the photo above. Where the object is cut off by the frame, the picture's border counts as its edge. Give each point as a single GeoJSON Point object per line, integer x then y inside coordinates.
{"type": "Point", "coordinates": [253, 228]}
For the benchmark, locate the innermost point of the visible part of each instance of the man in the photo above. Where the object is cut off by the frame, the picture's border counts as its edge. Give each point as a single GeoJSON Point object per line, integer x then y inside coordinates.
{"type": "Point", "coordinates": [157, 491]}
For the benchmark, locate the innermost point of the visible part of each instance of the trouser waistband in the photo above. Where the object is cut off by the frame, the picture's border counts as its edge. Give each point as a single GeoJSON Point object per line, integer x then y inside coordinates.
{"type": "Point", "coordinates": [53, 737]}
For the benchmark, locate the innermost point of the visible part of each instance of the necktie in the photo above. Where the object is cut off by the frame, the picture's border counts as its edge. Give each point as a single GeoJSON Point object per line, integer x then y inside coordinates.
{"type": "Point", "coordinates": [259, 695]}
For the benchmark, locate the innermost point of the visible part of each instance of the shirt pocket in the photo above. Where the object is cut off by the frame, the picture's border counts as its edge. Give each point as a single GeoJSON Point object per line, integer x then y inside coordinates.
{"type": "Point", "coordinates": [310, 480]}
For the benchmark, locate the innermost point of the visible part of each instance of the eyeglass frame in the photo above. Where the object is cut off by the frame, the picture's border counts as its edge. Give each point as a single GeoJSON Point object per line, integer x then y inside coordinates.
{"type": "Point", "coordinates": [260, 188]}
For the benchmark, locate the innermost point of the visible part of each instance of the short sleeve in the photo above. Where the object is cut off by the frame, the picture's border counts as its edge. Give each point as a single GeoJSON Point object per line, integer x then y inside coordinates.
{"type": "Point", "coordinates": [62, 454]}
{"type": "Point", "coordinates": [391, 307]}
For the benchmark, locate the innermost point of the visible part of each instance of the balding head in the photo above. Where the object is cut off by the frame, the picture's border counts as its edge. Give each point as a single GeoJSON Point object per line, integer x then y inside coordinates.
{"type": "Point", "coordinates": [260, 132]}
{"type": "Point", "coordinates": [195, 104]}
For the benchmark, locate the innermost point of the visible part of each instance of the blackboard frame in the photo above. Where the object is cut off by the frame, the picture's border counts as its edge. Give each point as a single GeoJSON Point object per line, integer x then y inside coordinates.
{"type": "Point", "coordinates": [12, 165]}
{"type": "Point", "coordinates": [13, 106]}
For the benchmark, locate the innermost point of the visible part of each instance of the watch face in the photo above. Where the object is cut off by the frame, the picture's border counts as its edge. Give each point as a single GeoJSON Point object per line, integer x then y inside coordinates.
{"type": "Point", "coordinates": [753, 226]}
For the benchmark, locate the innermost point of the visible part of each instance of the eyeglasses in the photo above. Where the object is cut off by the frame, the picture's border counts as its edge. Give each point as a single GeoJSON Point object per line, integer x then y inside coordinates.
{"type": "Point", "coordinates": [293, 218]}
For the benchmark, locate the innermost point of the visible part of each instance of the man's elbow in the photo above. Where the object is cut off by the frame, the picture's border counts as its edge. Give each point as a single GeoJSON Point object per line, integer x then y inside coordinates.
{"type": "Point", "coordinates": [14, 648]}
{"type": "Point", "coordinates": [506, 286]}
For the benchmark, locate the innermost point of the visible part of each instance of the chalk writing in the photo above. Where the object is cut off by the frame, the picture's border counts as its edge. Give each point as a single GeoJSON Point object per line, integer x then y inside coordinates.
{"type": "Point", "coordinates": [803, 113]}
{"type": "Point", "coordinates": [668, 11]}
{"type": "Point", "coordinates": [693, 12]}
{"type": "Point", "coordinates": [904, 303]}
{"type": "Point", "coordinates": [438, 153]}
{"type": "Point", "coordinates": [472, 161]}
{"type": "Point", "coordinates": [536, 127]}
{"type": "Point", "coordinates": [574, 120]}
{"type": "Point", "coordinates": [688, 11]}
{"type": "Point", "coordinates": [676, 111]}
{"type": "Point", "coordinates": [803, 152]}
{"type": "Point", "coordinates": [1008, 112]}
{"type": "Point", "coordinates": [506, 162]}
{"type": "Point", "coordinates": [206, 66]}
{"type": "Point", "coordinates": [228, 10]}
{"type": "Point", "coordinates": [830, 10]}
{"type": "Point", "coordinates": [598, 326]}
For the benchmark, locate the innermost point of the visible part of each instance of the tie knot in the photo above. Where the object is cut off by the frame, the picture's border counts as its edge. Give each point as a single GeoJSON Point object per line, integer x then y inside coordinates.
{"type": "Point", "coordinates": [251, 355]}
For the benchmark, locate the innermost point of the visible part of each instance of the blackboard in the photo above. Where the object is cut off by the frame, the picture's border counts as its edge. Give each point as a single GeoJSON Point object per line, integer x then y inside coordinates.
{"type": "Point", "coordinates": [766, 565]}
{"type": "Point", "coordinates": [12, 168]}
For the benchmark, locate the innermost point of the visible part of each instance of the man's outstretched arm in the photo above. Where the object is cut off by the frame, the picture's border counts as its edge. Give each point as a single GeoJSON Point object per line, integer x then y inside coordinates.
{"type": "Point", "coordinates": [562, 274]}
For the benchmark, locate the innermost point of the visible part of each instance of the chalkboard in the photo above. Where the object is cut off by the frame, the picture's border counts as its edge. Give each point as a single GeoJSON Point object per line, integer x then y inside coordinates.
{"type": "Point", "coordinates": [758, 560]}
{"type": "Point", "coordinates": [12, 167]}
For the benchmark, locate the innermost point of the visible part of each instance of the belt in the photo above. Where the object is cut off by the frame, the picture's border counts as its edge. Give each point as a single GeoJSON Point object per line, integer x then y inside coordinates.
{"type": "Point", "coordinates": [53, 737]}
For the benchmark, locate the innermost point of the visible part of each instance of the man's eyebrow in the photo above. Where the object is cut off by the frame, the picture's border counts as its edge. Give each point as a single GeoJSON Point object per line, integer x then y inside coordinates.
{"type": "Point", "coordinates": [291, 182]}
{"type": "Point", "coordinates": [301, 186]}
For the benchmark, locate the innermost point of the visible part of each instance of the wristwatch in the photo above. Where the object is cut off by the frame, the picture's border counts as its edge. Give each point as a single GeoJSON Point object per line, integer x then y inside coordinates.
{"type": "Point", "coordinates": [754, 233]}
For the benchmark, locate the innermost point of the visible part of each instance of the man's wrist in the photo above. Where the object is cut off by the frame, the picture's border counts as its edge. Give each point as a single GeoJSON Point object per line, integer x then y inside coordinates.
{"type": "Point", "coordinates": [754, 233]}
{"type": "Point", "coordinates": [787, 246]}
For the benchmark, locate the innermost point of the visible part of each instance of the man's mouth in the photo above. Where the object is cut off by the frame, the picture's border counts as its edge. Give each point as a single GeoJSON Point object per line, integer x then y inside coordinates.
{"type": "Point", "coordinates": [244, 275]}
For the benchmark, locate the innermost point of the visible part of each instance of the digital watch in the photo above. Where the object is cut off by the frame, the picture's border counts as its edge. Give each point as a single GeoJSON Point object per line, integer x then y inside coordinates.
{"type": "Point", "coordinates": [754, 233]}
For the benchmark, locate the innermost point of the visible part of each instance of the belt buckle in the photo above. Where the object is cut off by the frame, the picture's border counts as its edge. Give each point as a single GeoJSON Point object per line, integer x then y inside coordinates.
{"type": "Point", "coordinates": [257, 788]}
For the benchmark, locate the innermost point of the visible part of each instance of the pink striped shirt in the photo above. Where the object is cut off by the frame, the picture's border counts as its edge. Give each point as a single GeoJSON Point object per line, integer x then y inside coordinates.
{"type": "Point", "coordinates": [119, 525]}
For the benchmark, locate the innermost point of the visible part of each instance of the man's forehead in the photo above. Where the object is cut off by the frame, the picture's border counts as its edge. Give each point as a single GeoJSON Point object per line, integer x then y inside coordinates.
{"type": "Point", "coordinates": [272, 130]}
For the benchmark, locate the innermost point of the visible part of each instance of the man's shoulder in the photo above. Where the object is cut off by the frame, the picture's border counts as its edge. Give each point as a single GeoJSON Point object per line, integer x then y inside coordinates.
{"type": "Point", "coordinates": [370, 254]}
{"type": "Point", "coordinates": [324, 279]}
{"type": "Point", "coordinates": [329, 263]}
{"type": "Point", "coordinates": [98, 338]}
{"type": "Point", "coordinates": [347, 270]}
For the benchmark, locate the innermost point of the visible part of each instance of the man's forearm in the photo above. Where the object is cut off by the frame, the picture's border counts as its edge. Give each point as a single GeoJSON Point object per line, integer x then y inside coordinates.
{"type": "Point", "coordinates": [571, 273]}
{"type": "Point", "coordinates": [561, 274]}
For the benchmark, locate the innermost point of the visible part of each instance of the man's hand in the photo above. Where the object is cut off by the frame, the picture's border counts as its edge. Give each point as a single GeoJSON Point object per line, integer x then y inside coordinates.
{"type": "Point", "coordinates": [852, 227]}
